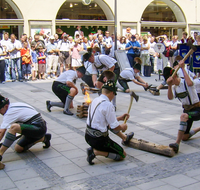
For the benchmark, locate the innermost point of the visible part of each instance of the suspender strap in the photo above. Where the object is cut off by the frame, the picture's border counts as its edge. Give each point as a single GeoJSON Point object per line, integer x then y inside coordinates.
{"type": "Point", "coordinates": [188, 93]}
{"type": "Point", "coordinates": [91, 118]}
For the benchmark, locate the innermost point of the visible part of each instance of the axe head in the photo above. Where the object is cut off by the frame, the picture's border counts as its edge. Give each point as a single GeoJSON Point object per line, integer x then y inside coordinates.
{"type": "Point", "coordinates": [132, 94]}
{"type": "Point", "coordinates": [190, 44]}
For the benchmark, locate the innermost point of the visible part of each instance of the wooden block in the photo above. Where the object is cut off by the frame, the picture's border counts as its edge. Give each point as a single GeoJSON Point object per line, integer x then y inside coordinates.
{"type": "Point", "coordinates": [2, 166]}
{"type": "Point", "coordinates": [151, 147]}
{"type": "Point", "coordinates": [81, 115]}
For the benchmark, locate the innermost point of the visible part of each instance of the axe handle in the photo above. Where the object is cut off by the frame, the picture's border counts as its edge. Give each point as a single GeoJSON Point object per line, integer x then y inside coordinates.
{"type": "Point", "coordinates": [184, 59]}
{"type": "Point", "coordinates": [125, 120]}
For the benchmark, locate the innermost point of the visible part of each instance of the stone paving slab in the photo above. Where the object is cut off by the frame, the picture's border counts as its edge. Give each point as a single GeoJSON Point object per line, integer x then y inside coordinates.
{"type": "Point", "coordinates": [64, 165]}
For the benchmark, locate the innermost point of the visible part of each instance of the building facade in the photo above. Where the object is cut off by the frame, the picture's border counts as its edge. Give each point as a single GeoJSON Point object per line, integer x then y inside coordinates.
{"type": "Point", "coordinates": [55, 16]}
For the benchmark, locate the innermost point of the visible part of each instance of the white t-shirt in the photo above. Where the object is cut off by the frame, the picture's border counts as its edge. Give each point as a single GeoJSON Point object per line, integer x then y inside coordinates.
{"type": "Point", "coordinates": [15, 53]}
{"type": "Point", "coordinates": [63, 46]}
{"type": "Point", "coordinates": [2, 49]}
{"type": "Point", "coordinates": [146, 51]}
{"type": "Point", "coordinates": [17, 113]}
{"type": "Point", "coordinates": [88, 67]}
{"type": "Point", "coordinates": [69, 75]}
{"type": "Point", "coordinates": [5, 43]}
{"type": "Point", "coordinates": [104, 114]}
{"type": "Point", "coordinates": [107, 61]}
{"type": "Point", "coordinates": [128, 74]}
{"type": "Point", "coordinates": [191, 90]}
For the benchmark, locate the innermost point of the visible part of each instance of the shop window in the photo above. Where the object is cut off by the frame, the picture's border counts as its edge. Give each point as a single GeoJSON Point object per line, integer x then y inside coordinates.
{"type": "Point", "coordinates": [76, 10]}
{"type": "Point", "coordinates": [6, 11]}
{"type": "Point", "coordinates": [158, 11]}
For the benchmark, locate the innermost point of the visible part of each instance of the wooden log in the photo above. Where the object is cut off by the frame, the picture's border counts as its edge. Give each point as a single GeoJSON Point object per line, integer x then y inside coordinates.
{"type": "Point", "coordinates": [82, 111]}
{"type": "Point", "coordinates": [2, 166]}
{"type": "Point", "coordinates": [80, 115]}
{"type": "Point", "coordinates": [151, 147]}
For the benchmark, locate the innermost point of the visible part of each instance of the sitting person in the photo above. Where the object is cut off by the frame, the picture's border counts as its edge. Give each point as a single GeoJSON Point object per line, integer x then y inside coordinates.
{"type": "Point", "coordinates": [65, 89]}
{"type": "Point", "coordinates": [131, 74]}
{"type": "Point", "coordinates": [184, 90]}
{"type": "Point", "coordinates": [101, 116]}
{"type": "Point", "coordinates": [24, 119]}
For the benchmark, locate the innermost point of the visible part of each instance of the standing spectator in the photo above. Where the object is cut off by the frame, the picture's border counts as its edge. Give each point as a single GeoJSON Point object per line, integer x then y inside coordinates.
{"type": "Point", "coordinates": [144, 54]}
{"type": "Point", "coordinates": [184, 37]}
{"type": "Point", "coordinates": [101, 44]}
{"type": "Point", "coordinates": [90, 41]}
{"type": "Point", "coordinates": [56, 40]}
{"type": "Point", "coordinates": [152, 53]}
{"type": "Point", "coordinates": [173, 46]}
{"type": "Point", "coordinates": [41, 62]}
{"type": "Point", "coordinates": [122, 43]}
{"type": "Point", "coordinates": [79, 32]}
{"type": "Point", "coordinates": [26, 61]}
{"type": "Point", "coordinates": [34, 62]}
{"type": "Point", "coordinates": [52, 52]}
{"type": "Point", "coordinates": [2, 64]}
{"type": "Point", "coordinates": [38, 42]}
{"type": "Point", "coordinates": [85, 43]}
{"type": "Point", "coordinates": [133, 50]}
{"type": "Point", "coordinates": [76, 57]}
{"type": "Point", "coordinates": [5, 44]}
{"type": "Point", "coordinates": [30, 39]}
{"type": "Point", "coordinates": [14, 48]}
{"type": "Point", "coordinates": [197, 42]}
{"type": "Point", "coordinates": [109, 43]}
{"type": "Point", "coordinates": [64, 55]}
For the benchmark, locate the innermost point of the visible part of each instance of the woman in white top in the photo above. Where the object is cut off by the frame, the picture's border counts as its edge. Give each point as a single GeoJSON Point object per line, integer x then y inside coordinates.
{"type": "Point", "coordinates": [144, 54]}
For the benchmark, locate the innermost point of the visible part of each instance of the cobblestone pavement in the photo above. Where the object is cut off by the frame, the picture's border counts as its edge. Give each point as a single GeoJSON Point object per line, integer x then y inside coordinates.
{"type": "Point", "coordinates": [64, 165]}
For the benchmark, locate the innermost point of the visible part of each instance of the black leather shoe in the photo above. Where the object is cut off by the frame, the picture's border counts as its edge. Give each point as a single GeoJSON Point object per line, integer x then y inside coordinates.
{"type": "Point", "coordinates": [46, 141]}
{"type": "Point", "coordinates": [48, 105]}
{"type": "Point", "coordinates": [90, 155]}
{"type": "Point", "coordinates": [67, 112]}
{"type": "Point", "coordinates": [174, 146]}
{"type": "Point", "coordinates": [128, 138]}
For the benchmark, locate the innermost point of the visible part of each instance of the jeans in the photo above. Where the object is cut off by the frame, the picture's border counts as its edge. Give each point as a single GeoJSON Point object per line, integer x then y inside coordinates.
{"type": "Point", "coordinates": [16, 62]}
{"type": "Point", "coordinates": [7, 69]}
{"type": "Point", "coordinates": [131, 59]}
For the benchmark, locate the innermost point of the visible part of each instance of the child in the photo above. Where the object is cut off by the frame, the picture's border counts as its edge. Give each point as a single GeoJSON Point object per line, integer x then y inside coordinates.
{"type": "Point", "coordinates": [41, 63]}
{"type": "Point", "coordinates": [34, 62]}
{"type": "Point", "coordinates": [26, 61]}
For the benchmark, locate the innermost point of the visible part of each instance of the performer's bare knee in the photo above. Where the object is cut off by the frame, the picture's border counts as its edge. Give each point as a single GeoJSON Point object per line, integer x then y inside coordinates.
{"type": "Point", "coordinates": [18, 148]}
{"type": "Point", "coordinates": [184, 117]}
{"type": "Point", "coordinates": [14, 128]}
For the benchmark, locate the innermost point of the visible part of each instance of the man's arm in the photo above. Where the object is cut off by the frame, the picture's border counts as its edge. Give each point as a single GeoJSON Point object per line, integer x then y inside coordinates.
{"type": "Point", "coordinates": [170, 93]}
{"type": "Point", "coordinates": [186, 76]}
{"type": "Point", "coordinates": [141, 81]}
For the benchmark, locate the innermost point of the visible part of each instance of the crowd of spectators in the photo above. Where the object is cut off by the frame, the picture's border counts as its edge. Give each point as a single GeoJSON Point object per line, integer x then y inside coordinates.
{"type": "Point", "coordinates": [47, 56]}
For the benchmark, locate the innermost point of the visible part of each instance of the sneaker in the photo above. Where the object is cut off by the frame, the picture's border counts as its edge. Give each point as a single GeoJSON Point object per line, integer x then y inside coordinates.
{"type": "Point", "coordinates": [46, 141]}
{"type": "Point", "coordinates": [48, 105]}
{"type": "Point", "coordinates": [90, 155]}
{"type": "Point", "coordinates": [67, 112]}
{"type": "Point", "coordinates": [48, 77]}
{"type": "Point", "coordinates": [174, 146]}
{"type": "Point", "coordinates": [128, 138]}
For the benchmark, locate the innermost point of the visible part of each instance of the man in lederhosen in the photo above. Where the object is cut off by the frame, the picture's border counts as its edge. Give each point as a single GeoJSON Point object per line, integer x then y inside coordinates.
{"type": "Point", "coordinates": [101, 117]}
{"type": "Point", "coordinates": [101, 63]}
{"type": "Point", "coordinates": [23, 119]}
{"type": "Point", "coordinates": [184, 90]}
{"type": "Point", "coordinates": [65, 89]}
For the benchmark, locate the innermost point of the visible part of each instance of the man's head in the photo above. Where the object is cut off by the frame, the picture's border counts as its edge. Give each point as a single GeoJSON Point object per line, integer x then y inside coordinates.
{"type": "Point", "coordinates": [133, 38]}
{"type": "Point", "coordinates": [90, 37]}
{"type": "Point", "coordinates": [167, 72]}
{"type": "Point", "coordinates": [6, 35]}
{"type": "Point", "coordinates": [109, 88]}
{"type": "Point", "coordinates": [100, 38]}
{"type": "Point", "coordinates": [137, 68]}
{"type": "Point", "coordinates": [80, 71]}
{"type": "Point", "coordinates": [184, 35]}
{"type": "Point", "coordinates": [12, 38]}
{"type": "Point", "coordinates": [107, 33]}
{"type": "Point", "coordinates": [88, 56]}
{"type": "Point", "coordinates": [4, 103]}
{"type": "Point", "coordinates": [65, 37]}
{"type": "Point", "coordinates": [36, 37]}
{"type": "Point", "coordinates": [52, 38]}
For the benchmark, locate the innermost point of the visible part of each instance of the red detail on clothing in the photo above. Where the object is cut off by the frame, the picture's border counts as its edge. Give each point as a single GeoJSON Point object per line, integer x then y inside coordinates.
{"type": "Point", "coordinates": [24, 58]}
{"type": "Point", "coordinates": [41, 61]}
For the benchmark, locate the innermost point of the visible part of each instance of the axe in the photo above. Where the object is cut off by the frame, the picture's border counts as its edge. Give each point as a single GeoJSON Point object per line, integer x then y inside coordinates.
{"type": "Point", "coordinates": [133, 95]}
{"type": "Point", "coordinates": [193, 49]}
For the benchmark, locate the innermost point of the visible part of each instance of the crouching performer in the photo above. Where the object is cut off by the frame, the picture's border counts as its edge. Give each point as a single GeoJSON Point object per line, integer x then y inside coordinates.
{"type": "Point", "coordinates": [184, 90]}
{"type": "Point", "coordinates": [23, 119]}
{"type": "Point", "coordinates": [101, 117]}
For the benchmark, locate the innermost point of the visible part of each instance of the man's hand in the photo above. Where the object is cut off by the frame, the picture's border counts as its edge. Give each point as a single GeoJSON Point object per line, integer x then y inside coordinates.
{"type": "Point", "coordinates": [181, 64]}
{"type": "Point", "coordinates": [170, 81]}
{"type": "Point", "coordinates": [122, 117]}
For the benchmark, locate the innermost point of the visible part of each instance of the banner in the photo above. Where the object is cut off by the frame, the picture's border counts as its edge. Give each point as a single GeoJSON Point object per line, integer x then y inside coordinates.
{"type": "Point", "coordinates": [183, 51]}
{"type": "Point", "coordinates": [196, 58]}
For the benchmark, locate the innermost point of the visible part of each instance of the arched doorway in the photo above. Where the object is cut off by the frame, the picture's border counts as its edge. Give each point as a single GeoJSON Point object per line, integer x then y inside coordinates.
{"type": "Point", "coordinates": [11, 19]}
{"type": "Point", "coordinates": [163, 17]}
{"type": "Point", "coordinates": [96, 15]}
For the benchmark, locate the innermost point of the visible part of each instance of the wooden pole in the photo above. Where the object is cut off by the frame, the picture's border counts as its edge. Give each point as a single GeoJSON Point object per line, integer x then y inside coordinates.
{"type": "Point", "coordinates": [151, 147]}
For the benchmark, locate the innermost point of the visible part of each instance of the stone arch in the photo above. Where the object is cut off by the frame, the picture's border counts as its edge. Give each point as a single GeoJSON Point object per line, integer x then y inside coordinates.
{"type": "Point", "coordinates": [15, 8]}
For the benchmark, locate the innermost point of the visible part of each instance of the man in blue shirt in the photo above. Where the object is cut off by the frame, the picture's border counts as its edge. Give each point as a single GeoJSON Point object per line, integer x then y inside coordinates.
{"type": "Point", "coordinates": [133, 48]}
